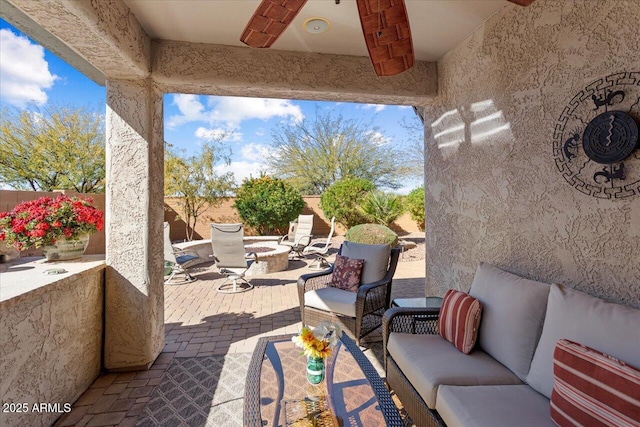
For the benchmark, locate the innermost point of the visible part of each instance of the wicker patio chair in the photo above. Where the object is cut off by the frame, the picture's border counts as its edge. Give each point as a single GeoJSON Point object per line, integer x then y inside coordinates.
{"type": "Point", "coordinates": [371, 300]}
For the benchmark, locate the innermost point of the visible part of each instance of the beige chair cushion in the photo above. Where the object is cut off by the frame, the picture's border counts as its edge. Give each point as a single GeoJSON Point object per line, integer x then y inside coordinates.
{"type": "Point", "coordinates": [495, 406]}
{"type": "Point", "coordinates": [609, 328]}
{"type": "Point", "coordinates": [332, 299]}
{"type": "Point", "coordinates": [429, 361]}
{"type": "Point", "coordinates": [376, 259]}
{"type": "Point", "coordinates": [513, 310]}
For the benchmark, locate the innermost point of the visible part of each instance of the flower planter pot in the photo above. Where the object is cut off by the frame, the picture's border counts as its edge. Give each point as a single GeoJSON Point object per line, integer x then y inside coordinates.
{"type": "Point", "coordinates": [64, 250]}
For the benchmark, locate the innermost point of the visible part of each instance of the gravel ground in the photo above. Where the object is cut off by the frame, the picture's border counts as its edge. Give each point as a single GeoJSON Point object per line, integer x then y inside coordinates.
{"type": "Point", "coordinates": [413, 254]}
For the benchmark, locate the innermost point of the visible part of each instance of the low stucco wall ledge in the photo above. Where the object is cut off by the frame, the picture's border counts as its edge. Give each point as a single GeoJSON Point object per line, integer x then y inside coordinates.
{"type": "Point", "coordinates": [51, 329]}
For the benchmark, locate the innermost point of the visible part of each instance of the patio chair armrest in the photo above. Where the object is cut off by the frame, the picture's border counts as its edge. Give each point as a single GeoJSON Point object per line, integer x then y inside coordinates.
{"type": "Point", "coordinates": [251, 255]}
{"type": "Point", "coordinates": [317, 280]}
{"type": "Point", "coordinates": [178, 252]}
{"type": "Point", "coordinates": [283, 238]}
{"type": "Point", "coordinates": [371, 297]}
{"type": "Point", "coordinates": [308, 282]}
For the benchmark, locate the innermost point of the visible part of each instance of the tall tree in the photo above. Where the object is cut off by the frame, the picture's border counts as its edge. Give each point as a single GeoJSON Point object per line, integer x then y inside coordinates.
{"type": "Point", "coordinates": [54, 148]}
{"type": "Point", "coordinates": [314, 154]}
{"type": "Point", "coordinates": [195, 179]}
{"type": "Point", "coordinates": [414, 155]}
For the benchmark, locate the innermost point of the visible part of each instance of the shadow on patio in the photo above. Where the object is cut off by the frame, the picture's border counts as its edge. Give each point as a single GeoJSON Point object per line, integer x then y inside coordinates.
{"type": "Point", "coordinates": [198, 379]}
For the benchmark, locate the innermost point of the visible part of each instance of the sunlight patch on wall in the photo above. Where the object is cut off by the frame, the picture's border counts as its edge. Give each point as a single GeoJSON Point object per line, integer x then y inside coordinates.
{"type": "Point", "coordinates": [448, 131]}
{"type": "Point", "coordinates": [487, 122]}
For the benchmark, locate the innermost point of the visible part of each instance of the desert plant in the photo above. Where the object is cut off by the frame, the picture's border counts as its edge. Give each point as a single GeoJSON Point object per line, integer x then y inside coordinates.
{"type": "Point", "coordinates": [342, 200]}
{"type": "Point", "coordinates": [415, 205]}
{"type": "Point", "coordinates": [381, 208]}
{"type": "Point", "coordinates": [267, 204]}
{"type": "Point", "coordinates": [372, 234]}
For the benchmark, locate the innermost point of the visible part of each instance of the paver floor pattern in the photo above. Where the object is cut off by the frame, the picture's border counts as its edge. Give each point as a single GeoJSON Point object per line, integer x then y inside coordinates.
{"type": "Point", "coordinates": [205, 325]}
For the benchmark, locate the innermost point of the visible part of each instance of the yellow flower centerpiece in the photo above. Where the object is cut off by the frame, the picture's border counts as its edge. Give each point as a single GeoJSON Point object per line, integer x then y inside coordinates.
{"type": "Point", "coordinates": [317, 344]}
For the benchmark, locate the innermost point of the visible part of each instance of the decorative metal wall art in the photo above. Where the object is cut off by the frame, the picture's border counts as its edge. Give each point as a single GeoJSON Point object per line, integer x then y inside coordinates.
{"type": "Point", "coordinates": [595, 142]}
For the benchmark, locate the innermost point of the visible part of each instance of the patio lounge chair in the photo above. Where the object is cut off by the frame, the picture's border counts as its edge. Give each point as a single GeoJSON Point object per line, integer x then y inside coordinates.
{"type": "Point", "coordinates": [301, 235]}
{"type": "Point", "coordinates": [230, 257]}
{"type": "Point", "coordinates": [321, 250]}
{"type": "Point", "coordinates": [359, 313]}
{"type": "Point", "coordinates": [176, 259]}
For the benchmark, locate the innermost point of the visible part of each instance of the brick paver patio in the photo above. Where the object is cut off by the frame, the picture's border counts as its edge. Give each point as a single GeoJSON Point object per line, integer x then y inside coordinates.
{"type": "Point", "coordinates": [202, 322]}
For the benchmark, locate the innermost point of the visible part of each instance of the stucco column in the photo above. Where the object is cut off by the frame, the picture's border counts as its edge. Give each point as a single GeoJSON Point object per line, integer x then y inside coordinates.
{"type": "Point", "coordinates": [134, 301]}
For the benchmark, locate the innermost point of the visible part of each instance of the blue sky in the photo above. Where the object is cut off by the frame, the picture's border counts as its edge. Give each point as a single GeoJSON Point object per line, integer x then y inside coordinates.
{"type": "Point", "coordinates": [31, 75]}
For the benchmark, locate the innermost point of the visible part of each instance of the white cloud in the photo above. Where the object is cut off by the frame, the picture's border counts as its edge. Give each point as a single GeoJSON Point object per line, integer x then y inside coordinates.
{"type": "Point", "coordinates": [231, 111]}
{"type": "Point", "coordinates": [242, 169]}
{"type": "Point", "coordinates": [378, 139]}
{"type": "Point", "coordinates": [261, 132]}
{"type": "Point", "coordinates": [218, 134]}
{"type": "Point", "coordinates": [234, 110]}
{"type": "Point", "coordinates": [191, 110]}
{"type": "Point", "coordinates": [403, 107]}
{"type": "Point", "coordinates": [376, 107]}
{"type": "Point", "coordinates": [24, 73]}
{"type": "Point", "coordinates": [255, 151]}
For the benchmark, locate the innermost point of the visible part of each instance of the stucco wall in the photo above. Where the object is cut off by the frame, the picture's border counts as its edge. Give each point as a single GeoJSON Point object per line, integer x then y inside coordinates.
{"type": "Point", "coordinates": [493, 191]}
{"type": "Point", "coordinates": [50, 343]}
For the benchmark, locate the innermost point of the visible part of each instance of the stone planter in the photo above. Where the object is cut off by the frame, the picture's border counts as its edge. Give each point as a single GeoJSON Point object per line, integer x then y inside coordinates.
{"type": "Point", "coordinates": [64, 250]}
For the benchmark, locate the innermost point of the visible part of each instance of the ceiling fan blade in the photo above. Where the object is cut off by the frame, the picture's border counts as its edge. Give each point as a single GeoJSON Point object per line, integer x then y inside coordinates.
{"type": "Point", "coordinates": [522, 2]}
{"type": "Point", "coordinates": [387, 34]}
{"type": "Point", "coordinates": [269, 20]}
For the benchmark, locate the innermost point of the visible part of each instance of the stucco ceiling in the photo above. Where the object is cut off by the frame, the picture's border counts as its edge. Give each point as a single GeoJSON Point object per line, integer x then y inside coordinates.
{"type": "Point", "coordinates": [436, 25]}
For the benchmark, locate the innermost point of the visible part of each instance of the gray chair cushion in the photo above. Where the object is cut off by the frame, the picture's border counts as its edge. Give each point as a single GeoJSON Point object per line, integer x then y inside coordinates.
{"type": "Point", "coordinates": [609, 328]}
{"type": "Point", "coordinates": [513, 310]}
{"type": "Point", "coordinates": [376, 259]}
{"type": "Point", "coordinates": [495, 406]}
{"type": "Point", "coordinates": [429, 361]}
{"type": "Point", "coordinates": [332, 299]}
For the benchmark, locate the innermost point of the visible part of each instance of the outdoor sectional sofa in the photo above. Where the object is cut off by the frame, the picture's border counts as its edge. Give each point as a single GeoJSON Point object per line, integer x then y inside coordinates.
{"type": "Point", "coordinates": [507, 379]}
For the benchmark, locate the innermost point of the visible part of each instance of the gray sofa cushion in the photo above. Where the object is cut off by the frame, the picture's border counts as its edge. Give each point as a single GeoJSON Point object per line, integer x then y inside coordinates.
{"type": "Point", "coordinates": [610, 328]}
{"type": "Point", "coordinates": [376, 259]}
{"type": "Point", "coordinates": [332, 299]}
{"type": "Point", "coordinates": [513, 310]}
{"type": "Point", "coordinates": [429, 361]}
{"type": "Point", "coordinates": [495, 406]}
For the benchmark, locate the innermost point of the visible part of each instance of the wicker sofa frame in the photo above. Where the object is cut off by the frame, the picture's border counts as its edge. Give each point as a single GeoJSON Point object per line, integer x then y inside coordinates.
{"type": "Point", "coordinates": [371, 302]}
{"type": "Point", "coordinates": [409, 321]}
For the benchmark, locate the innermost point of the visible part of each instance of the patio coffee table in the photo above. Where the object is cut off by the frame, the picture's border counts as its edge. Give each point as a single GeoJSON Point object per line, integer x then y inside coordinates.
{"type": "Point", "coordinates": [277, 392]}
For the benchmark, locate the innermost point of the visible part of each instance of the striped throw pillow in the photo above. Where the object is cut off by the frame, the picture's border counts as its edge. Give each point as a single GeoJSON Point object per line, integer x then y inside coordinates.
{"type": "Point", "coordinates": [592, 388]}
{"type": "Point", "coordinates": [459, 319]}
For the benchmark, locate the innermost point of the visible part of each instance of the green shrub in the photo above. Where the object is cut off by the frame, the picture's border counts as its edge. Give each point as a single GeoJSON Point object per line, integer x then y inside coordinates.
{"type": "Point", "coordinates": [267, 204]}
{"type": "Point", "coordinates": [382, 208]}
{"type": "Point", "coordinates": [372, 234]}
{"type": "Point", "coordinates": [415, 205]}
{"type": "Point", "coordinates": [342, 200]}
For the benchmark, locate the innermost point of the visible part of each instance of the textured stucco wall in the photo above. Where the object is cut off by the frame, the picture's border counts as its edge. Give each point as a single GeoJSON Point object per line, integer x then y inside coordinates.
{"type": "Point", "coordinates": [229, 70]}
{"type": "Point", "coordinates": [493, 190]}
{"type": "Point", "coordinates": [50, 345]}
{"type": "Point", "coordinates": [134, 302]}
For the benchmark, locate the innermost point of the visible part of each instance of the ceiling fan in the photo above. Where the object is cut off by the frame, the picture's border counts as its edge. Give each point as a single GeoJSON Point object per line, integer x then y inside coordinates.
{"type": "Point", "coordinates": [385, 26]}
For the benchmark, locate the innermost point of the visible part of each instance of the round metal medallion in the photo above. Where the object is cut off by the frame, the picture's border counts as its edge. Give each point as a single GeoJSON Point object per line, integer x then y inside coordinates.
{"type": "Point", "coordinates": [595, 140]}
{"type": "Point", "coordinates": [610, 137]}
